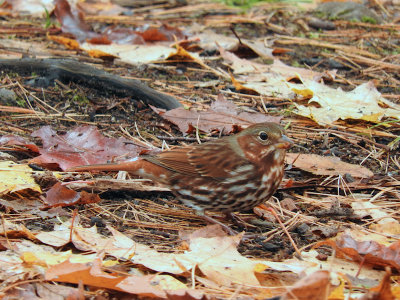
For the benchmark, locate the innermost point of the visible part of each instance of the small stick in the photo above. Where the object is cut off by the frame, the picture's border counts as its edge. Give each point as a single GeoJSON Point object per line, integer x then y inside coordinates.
{"type": "Point", "coordinates": [180, 138]}
{"type": "Point", "coordinates": [263, 206]}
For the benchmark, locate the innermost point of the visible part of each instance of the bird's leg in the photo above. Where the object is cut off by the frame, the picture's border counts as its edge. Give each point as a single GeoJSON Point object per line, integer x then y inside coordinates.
{"type": "Point", "coordinates": [247, 236]}
{"type": "Point", "coordinates": [208, 219]}
{"type": "Point", "coordinates": [238, 220]}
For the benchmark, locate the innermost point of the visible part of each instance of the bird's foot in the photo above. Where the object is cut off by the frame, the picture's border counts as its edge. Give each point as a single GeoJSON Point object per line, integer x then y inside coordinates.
{"type": "Point", "coordinates": [239, 221]}
{"type": "Point", "coordinates": [229, 230]}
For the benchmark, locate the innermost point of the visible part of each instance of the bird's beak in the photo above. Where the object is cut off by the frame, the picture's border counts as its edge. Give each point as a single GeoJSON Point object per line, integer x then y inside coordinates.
{"type": "Point", "coordinates": [284, 143]}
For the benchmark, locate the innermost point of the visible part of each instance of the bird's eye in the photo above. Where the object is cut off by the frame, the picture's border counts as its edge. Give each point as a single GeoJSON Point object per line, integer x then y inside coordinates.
{"type": "Point", "coordinates": [263, 135]}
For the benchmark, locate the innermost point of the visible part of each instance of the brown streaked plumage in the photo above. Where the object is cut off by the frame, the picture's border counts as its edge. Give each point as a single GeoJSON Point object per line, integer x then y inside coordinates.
{"type": "Point", "coordinates": [233, 173]}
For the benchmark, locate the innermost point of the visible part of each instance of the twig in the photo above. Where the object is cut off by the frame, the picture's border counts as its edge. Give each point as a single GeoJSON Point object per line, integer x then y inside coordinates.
{"type": "Point", "coordinates": [180, 138]}
{"type": "Point", "coordinates": [283, 228]}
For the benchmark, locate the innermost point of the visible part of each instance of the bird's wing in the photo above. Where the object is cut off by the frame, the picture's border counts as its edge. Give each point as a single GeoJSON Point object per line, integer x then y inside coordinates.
{"type": "Point", "coordinates": [210, 160]}
{"type": "Point", "coordinates": [176, 160]}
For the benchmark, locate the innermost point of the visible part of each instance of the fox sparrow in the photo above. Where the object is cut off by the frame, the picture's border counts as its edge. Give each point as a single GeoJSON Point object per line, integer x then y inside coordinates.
{"type": "Point", "coordinates": [233, 173]}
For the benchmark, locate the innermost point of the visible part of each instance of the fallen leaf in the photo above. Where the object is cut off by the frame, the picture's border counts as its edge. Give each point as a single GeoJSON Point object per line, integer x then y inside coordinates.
{"type": "Point", "coordinates": [337, 265]}
{"type": "Point", "coordinates": [10, 140]}
{"type": "Point", "coordinates": [13, 230]}
{"type": "Point", "coordinates": [15, 177]}
{"type": "Point", "coordinates": [44, 290]}
{"type": "Point", "coordinates": [383, 291]}
{"type": "Point", "coordinates": [81, 146]}
{"type": "Point", "coordinates": [64, 233]}
{"type": "Point", "coordinates": [103, 8]}
{"type": "Point", "coordinates": [33, 8]}
{"type": "Point", "coordinates": [92, 275]}
{"type": "Point", "coordinates": [69, 43]}
{"type": "Point", "coordinates": [364, 102]}
{"type": "Point", "coordinates": [326, 165]}
{"type": "Point", "coordinates": [367, 252]}
{"type": "Point", "coordinates": [265, 79]}
{"type": "Point", "coordinates": [72, 21]}
{"type": "Point", "coordinates": [12, 266]}
{"type": "Point", "coordinates": [60, 195]}
{"type": "Point", "coordinates": [164, 32]}
{"type": "Point", "coordinates": [223, 116]}
{"type": "Point", "coordinates": [132, 54]}
{"type": "Point", "coordinates": [388, 227]}
{"type": "Point", "coordinates": [216, 256]}
{"type": "Point", "coordinates": [315, 286]}
{"type": "Point", "coordinates": [366, 208]}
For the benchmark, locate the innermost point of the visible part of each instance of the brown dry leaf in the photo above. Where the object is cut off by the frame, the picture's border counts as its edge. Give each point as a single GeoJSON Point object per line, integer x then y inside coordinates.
{"type": "Point", "coordinates": [241, 88]}
{"type": "Point", "coordinates": [217, 257]}
{"type": "Point", "coordinates": [72, 21]}
{"type": "Point", "coordinates": [210, 250]}
{"type": "Point", "coordinates": [242, 65]}
{"type": "Point", "coordinates": [266, 79]}
{"type": "Point", "coordinates": [33, 206]}
{"type": "Point", "coordinates": [24, 257]}
{"type": "Point", "coordinates": [315, 286]}
{"type": "Point", "coordinates": [336, 265]}
{"type": "Point", "coordinates": [81, 146]}
{"type": "Point", "coordinates": [223, 116]}
{"type": "Point", "coordinates": [163, 33]}
{"type": "Point", "coordinates": [43, 290]}
{"type": "Point", "coordinates": [214, 254]}
{"type": "Point", "coordinates": [368, 252]}
{"type": "Point", "coordinates": [59, 195]}
{"type": "Point", "coordinates": [119, 42]}
{"type": "Point", "coordinates": [143, 54]}
{"type": "Point", "coordinates": [209, 40]}
{"type": "Point", "coordinates": [92, 275]}
{"type": "Point", "coordinates": [63, 234]}
{"type": "Point", "coordinates": [383, 291]}
{"type": "Point", "coordinates": [12, 230]}
{"type": "Point", "coordinates": [43, 256]}
{"type": "Point", "coordinates": [219, 260]}
{"type": "Point", "coordinates": [385, 223]}
{"type": "Point", "coordinates": [388, 227]}
{"type": "Point", "coordinates": [12, 266]}
{"type": "Point", "coordinates": [326, 165]}
{"type": "Point", "coordinates": [67, 42]}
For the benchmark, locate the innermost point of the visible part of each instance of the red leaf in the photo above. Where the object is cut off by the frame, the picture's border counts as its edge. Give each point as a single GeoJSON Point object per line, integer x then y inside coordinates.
{"type": "Point", "coordinates": [81, 146]}
{"type": "Point", "coordinates": [223, 115]}
{"type": "Point", "coordinates": [59, 195]}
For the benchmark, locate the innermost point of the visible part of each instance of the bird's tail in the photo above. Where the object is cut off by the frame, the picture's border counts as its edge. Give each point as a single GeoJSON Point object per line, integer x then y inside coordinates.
{"type": "Point", "coordinates": [138, 166]}
{"type": "Point", "coordinates": [129, 166]}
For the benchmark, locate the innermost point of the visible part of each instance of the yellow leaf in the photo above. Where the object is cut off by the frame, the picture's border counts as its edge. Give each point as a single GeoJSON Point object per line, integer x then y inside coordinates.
{"type": "Point", "coordinates": [334, 104]}
{"type": "Point", "coordinates": [260, 268]}
{"type": "Point", "coordinates": [338, 292]}
{"type": "Point", "coordinates": [15, 177]}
